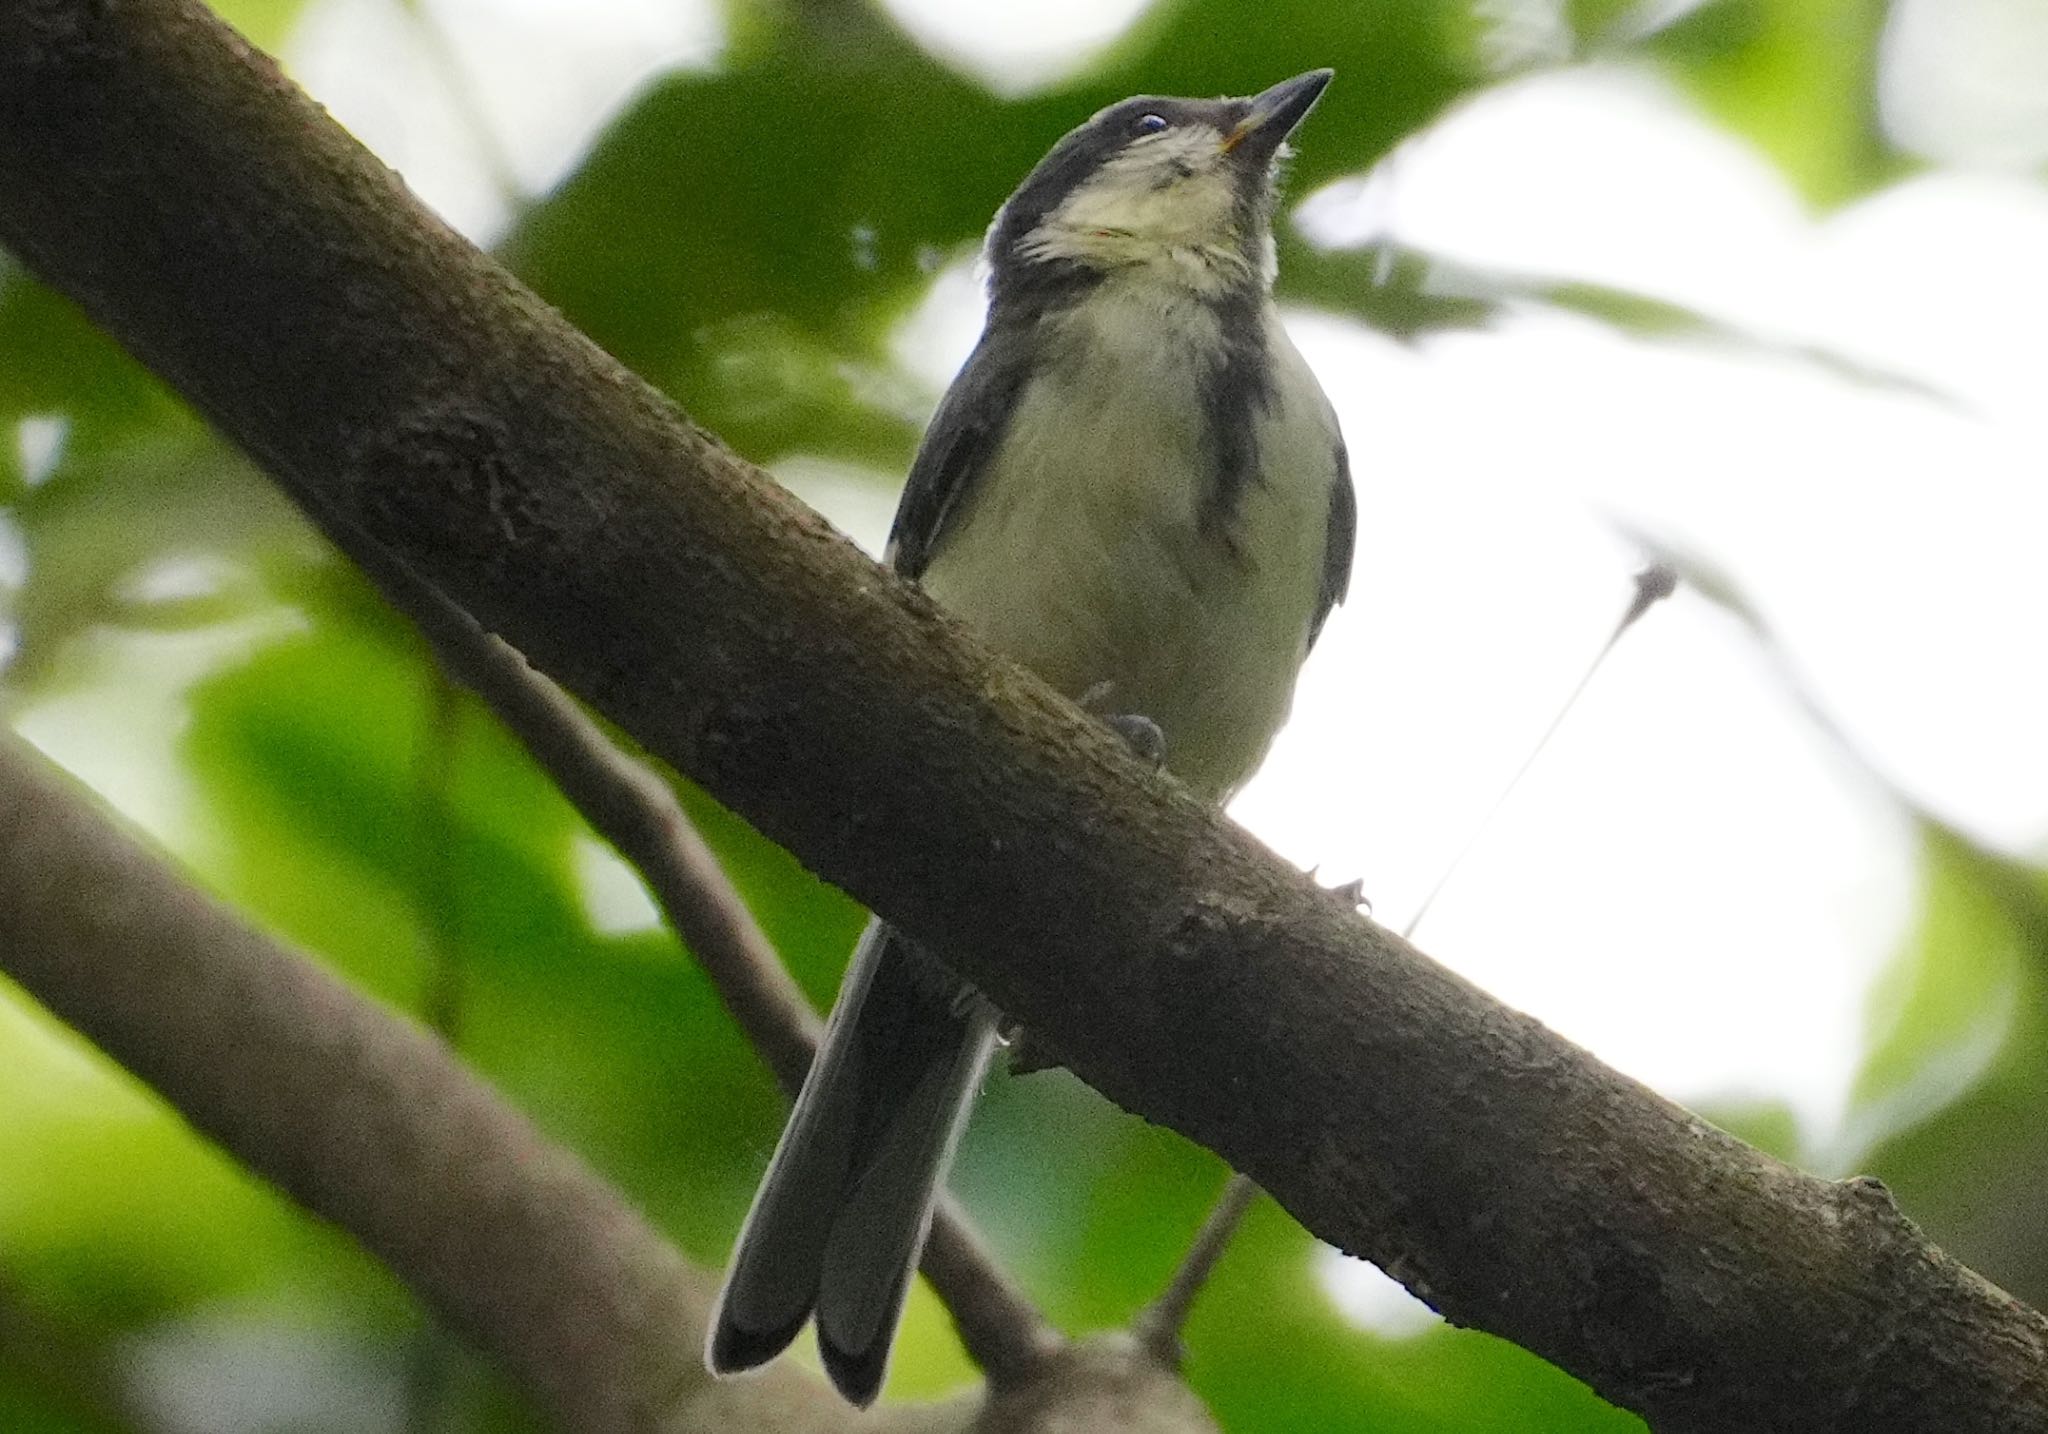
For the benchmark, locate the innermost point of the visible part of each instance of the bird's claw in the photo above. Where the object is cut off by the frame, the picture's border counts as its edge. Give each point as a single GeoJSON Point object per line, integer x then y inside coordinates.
{"type": "Point", "coordinates": [1141, 735]}
{"type": "Point", "coordinates": [1352, 894]}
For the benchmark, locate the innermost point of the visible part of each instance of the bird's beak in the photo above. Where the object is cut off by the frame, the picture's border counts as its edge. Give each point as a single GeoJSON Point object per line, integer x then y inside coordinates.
{"type": "Point", "coordinates": [1274, 113]}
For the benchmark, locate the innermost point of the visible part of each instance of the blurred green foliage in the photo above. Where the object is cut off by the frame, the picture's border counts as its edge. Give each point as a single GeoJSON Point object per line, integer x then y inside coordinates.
{"type": "Point", "coordinates": [1954, 1092]}
{"type": "Point", "coordinates": [746, 237]}
{"type": "Point", "coordinates": [1798, 79]}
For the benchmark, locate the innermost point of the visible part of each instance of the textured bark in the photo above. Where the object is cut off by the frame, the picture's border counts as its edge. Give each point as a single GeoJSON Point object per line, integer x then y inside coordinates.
{"type": "Point", "coordinates": [400, 385]}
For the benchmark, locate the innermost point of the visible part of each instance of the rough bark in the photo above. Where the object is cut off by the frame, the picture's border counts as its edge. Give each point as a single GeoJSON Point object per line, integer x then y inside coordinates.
{"type": "Point", "coordinates": [397, 382]}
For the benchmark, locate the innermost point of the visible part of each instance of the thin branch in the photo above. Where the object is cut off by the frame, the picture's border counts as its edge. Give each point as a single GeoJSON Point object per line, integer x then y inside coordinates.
{"type": "Point", "coordinates": [368, 1121]}
{"type": "Point", "coordinates": [434, 1358]}
{"type": "Point", "coordinates": [1652, 585]}
{"type": "Point", "coordinates": [226, 231]}
{"type": "Point", "coordinates": [624, 802]}
{"type": "Point", "coordinates": [1001, 1330]}
{"type": "Point", "coordinates": [637, 812]}
{"type": "Point", "coordinates": [1159, 1326]}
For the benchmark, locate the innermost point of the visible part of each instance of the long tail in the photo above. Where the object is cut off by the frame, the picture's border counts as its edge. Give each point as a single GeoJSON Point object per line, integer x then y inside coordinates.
{"type": "Point", "coordinates": [842, 1212]}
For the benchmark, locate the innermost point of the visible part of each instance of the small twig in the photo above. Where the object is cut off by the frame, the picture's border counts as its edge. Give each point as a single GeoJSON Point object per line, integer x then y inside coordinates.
{"type": "Point", "coordinates": [1158, 1327]}
{"type": "Point", "coordinates": [1652, 585]}
{"type": "Point", "coordinates": [633, 809]}
{"type": "Point", "coordinates": [1001, 1330]}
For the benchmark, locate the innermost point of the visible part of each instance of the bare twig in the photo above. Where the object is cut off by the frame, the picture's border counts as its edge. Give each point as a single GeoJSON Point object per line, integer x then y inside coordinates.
{"type": "Point", "coordinates": [624, 802]}
{"type": "Point", "coordinates": [1652, 585]}
{"type": "Point", "coordinates": [1158, 1327]}
{"type": "Point", "coordinates": [636, 811]}
{"type": "Point", "coordinates": [435, 1357]}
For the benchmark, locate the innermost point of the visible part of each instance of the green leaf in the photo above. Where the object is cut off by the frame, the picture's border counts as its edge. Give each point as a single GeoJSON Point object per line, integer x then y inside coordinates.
{"type": "Point", "coordinates": [1947, 1006]}
{"type": "Point", "coordinates": [266, 24]}
{"type": "Point", "coordinates": [1409, 292]}
{"type": "Point", "coordinates": [1593, 21]}
{"type": "Point", "coordinates": [52, 360]}
{"type": "Point", "coordinates": [1797, 78]}
{"type": "Point", "coordinates": [116, 1213]}
{"type": "Point", "coordinates": [1268, 1350]}
{"type": "Point", "coordinates": [161, 529]}
{"type": "Point", "coordinates": [746, 239]}
{"type": "Point", "coordinates": [1953, 1088]}
{"type": "Point", "coordinates": [139, 491]}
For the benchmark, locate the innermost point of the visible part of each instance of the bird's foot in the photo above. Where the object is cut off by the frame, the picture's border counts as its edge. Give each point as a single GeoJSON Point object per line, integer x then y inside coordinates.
{"type": "Point", "coordinates": [1351, 893]}
{"type": "Point", "coordinates": [1141, 735]}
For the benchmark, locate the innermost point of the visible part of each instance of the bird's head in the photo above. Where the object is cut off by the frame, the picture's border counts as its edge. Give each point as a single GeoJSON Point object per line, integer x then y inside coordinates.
{"type": "Point", "coordinates": [1182, 188]}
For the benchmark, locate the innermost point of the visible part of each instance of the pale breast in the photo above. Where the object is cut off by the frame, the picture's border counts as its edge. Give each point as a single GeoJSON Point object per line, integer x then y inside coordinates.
{"type": "Point", "coordinates": [1082, 551]}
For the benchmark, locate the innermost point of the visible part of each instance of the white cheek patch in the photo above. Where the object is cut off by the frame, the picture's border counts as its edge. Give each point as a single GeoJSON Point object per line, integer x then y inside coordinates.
{"type": "Point", "coordinates": [1172, 192]}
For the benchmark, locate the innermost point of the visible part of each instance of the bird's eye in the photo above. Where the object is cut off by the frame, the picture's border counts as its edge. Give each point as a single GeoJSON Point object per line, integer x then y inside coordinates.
{"type": "Point", "coordinates": [1151, 124]}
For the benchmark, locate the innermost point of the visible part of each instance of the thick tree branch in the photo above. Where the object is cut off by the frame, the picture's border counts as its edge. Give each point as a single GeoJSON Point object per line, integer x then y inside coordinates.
{"type": "Point", "coordinates": [212, 219]}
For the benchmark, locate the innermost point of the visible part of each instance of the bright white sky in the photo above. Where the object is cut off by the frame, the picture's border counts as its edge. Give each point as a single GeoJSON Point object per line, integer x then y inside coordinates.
{"type": "Point", "coordinates": [1692, 882]}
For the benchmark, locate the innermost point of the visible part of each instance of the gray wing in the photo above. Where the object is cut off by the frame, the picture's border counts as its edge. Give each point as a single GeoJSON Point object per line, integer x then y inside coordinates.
{"type": "Point", "coordinates": [957, 446]}
{"type": "Point", "coordinates": [1337, 544]}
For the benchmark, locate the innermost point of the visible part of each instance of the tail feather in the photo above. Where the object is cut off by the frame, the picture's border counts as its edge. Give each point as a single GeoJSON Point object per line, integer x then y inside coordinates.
{"type": "Point", "coordinates": [843, 1210]}
{"type": "Point", "coordinates": [772, 1283]}
{"type": "Point", "coordinates": [882, 1226]}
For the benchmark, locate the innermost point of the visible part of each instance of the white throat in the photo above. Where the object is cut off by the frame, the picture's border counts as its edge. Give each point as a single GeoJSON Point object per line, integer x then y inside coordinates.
{"type": "Point", "coordinates": [1166, 204]}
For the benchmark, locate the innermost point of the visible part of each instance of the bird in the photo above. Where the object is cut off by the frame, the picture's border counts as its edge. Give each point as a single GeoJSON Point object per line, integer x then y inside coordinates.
{"type": "Point", "coordinates": [1136, 488]}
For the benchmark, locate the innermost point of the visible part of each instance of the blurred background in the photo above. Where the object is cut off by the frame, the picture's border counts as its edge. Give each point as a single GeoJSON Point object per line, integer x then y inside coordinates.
{"type": "Point", "coordinates": [1755, 283]}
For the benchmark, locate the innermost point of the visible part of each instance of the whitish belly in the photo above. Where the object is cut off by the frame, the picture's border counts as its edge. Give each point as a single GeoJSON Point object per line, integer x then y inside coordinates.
{"type": "Point", "coordinates": [1082, 555]}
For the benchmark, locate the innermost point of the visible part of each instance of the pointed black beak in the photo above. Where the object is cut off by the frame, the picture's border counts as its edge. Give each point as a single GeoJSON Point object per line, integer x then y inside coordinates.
{"type": "Point", "coordinates": [1272, 115]}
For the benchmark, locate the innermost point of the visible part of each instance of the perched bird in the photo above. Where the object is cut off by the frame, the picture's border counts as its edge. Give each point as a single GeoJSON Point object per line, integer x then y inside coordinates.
{"type": "Point", "coordinates": [1136, 488]}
